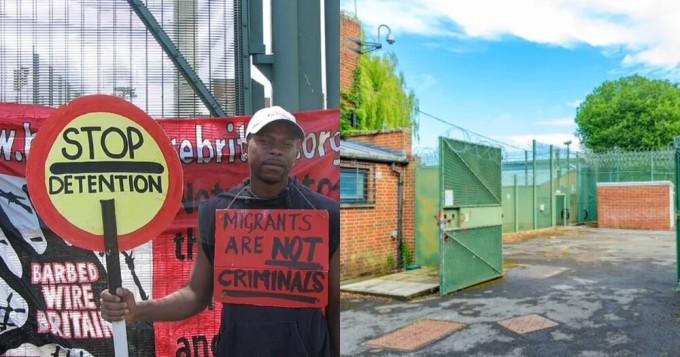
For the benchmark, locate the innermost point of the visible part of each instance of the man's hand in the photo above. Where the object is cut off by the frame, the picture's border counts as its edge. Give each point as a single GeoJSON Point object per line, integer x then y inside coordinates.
{"type": "Point", "coordinates": [118, 307]}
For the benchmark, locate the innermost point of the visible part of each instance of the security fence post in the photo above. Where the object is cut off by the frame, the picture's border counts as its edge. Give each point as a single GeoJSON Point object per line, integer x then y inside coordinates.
{"type": "Point", "coordinates": [677, 209]}
{"type": "Point", "coordinates": [533, 179]}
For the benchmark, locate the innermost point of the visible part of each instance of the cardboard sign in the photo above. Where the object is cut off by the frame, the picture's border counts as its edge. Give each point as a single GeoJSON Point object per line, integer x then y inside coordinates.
{"type": "Point", "coordinates": [98, 148]}
{"type": "Point", "coordinates": [272, 257]}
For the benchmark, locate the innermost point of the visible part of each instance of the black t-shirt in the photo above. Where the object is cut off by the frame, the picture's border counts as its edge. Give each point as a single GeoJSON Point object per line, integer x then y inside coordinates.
{"type": "Point", "coordinates": [248, 330]}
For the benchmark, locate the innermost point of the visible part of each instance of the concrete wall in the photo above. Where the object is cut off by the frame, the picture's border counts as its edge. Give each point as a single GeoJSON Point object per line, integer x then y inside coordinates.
{"type": "Point", "coordinates": [635, 205]}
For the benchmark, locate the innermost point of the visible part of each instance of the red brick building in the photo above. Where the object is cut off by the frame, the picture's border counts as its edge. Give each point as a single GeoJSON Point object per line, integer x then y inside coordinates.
{"type": "Point", "coordinates": [374, 168]}
{"type": "Point", "coordinates": [635, 205]}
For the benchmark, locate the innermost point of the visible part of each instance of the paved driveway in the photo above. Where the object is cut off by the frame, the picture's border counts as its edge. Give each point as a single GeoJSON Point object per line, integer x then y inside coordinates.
{"type": "Point", "coordinates": [586, 292]}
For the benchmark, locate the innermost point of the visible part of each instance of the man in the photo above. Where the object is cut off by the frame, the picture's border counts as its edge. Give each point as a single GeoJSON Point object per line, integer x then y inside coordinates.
{"type": "Point", "coordinates": [273, 140]}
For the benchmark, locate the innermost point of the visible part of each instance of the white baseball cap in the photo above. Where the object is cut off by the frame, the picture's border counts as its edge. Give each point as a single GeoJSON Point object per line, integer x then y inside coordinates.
{"type": "Point", "coordinates": [264, 117]}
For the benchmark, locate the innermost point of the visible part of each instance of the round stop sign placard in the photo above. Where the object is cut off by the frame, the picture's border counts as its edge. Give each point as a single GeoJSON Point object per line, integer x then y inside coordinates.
{"type": "Point", "coordinates": [100, 148]}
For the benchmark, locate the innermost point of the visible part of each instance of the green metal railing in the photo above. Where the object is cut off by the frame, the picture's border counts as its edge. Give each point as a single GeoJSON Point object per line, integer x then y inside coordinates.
{"type": "Point", "coordinates": [677, 210]}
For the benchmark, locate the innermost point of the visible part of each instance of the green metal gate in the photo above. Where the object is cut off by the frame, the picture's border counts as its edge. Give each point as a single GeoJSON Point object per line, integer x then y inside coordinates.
{"type": "Point", "coordinates": [471, 218]}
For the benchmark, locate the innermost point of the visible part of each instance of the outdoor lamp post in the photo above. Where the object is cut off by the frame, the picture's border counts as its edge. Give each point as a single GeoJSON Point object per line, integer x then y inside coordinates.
{"type": "Point", "coordinates": [676, 143]}
{"type": "Point", "coordinates": [568, 193]}
{"type": "Point", "coordinates": [567, 143]}
{"type": "Point", "coordinates": [367, 46]}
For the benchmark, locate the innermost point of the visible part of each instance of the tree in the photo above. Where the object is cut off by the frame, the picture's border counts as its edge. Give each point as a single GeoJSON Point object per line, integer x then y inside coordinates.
{"type": "Point", "coordinates": [378, 98]}
{"type": "Point", "coordinates": [631, 113]}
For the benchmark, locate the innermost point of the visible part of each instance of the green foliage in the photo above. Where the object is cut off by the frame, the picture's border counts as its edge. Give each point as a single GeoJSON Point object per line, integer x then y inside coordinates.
{"type": "Point", "coordinates": [378, 97]}
{"type": "Point", "coordinates": [631, 113]}
{"type": "Point", "coordinates": [390, 264]}
{"type": "Point", "coordinates": [406, 255]}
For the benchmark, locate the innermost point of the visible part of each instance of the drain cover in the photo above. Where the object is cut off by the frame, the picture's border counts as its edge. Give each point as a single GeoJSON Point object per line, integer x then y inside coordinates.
{"type": "Point", "coordinates": [415, 335]}
{"type": "Point", "coordinates": [528, 323]}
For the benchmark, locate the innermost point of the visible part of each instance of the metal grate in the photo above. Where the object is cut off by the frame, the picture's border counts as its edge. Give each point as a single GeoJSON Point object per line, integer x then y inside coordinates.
{"type": "Point", "coordinates": [54, 51]}
{"type": "Point", "coordinates": [471, 256]}
{"type": "Point", "coordinates": [472, 171]}
{"type": "Point", "coordinates": [474, 253]}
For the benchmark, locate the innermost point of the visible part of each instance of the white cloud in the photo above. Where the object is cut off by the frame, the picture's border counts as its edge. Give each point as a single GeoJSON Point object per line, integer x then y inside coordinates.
{"type": "Point", "coordinates": [457, 47]}
{"type": "Point", "coordinates": [401, 16]}
{"type": "Point", "coordinates": [575, 103]}
{"type": "Point", "coordinates": [422, 82]}
{"type": "Point", "coordinates": [560, 122]}
{"type": "Point", "coordinates": [644, 33]}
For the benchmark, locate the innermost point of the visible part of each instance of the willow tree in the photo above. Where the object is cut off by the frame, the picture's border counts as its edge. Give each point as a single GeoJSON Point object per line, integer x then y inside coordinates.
{"type": "Point", "coordinates": [378, 98]}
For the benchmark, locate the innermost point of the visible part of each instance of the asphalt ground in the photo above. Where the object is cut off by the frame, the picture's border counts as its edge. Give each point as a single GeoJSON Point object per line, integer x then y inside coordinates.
{"type": "Point", "coordinates": [603, 292]}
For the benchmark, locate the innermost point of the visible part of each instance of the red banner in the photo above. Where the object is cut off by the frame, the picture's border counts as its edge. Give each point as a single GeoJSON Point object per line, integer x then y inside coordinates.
{"type": "Point", "coordinates": [210, 152]}
{"type": "Point", "coordinates": [272, 257]}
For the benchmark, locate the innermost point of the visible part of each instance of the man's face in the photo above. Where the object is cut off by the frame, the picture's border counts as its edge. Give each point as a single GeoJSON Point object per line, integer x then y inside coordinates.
{"type": "Point", "coordinates": [272, 152]}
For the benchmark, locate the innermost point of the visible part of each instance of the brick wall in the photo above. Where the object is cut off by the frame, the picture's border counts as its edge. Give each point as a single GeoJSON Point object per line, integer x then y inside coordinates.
{"type": "Point", "coordinates": [366, 246]}
{"type": "Point", "coordinates": [635, 205]}
{"type": "Point", "coordinates": [350, 27]}
{"type": "Point", "coordinates": [394, 139]}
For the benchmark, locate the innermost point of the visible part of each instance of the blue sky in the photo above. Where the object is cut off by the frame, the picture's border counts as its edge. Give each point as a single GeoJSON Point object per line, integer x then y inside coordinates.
{"type": "Point", "coordinates": [516, 70]}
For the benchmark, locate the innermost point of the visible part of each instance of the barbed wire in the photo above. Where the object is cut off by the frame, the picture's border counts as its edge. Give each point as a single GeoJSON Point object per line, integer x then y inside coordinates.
{"type": "Point", "coordinates": [427, 156]}
{"type": "Point", "coordinates": [626, 158]}
{"type": "Point", "coordinates": [469, 134]}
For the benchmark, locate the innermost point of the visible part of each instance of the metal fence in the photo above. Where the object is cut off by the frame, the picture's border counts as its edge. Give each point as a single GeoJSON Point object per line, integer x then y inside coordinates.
{"type": "Point", "coordinates": [529, 177]}
{"type": "Point", "coordinates": [52, 51]}
{"type": "Point", "coordinates": [618, 166]}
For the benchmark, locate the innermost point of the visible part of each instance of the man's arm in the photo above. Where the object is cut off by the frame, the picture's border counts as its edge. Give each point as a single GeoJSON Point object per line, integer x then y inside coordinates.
{"type": "Point", "coordinates": [333, 309]}
{"type": "Point", "coordinates": [185, 302]}
{"type": "Point", "coordinates": [179, 305]}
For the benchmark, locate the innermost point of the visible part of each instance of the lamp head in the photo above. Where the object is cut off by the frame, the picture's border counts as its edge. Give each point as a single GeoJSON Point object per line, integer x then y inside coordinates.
{"type": "Point", "coordinates": [390, 39]}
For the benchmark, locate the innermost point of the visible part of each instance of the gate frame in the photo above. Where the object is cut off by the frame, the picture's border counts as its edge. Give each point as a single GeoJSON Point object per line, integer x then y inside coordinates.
{"type": "Point", "coordinates": [449, 226]}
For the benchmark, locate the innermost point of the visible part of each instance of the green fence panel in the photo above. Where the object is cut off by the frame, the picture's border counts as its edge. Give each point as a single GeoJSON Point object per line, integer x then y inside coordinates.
{"type": "Point", "coordinates": [587, 196]}
{"type": "Point", "coordinates": [472, 256]}
{"type": "Point", "coordinates": [427, 207]}
{"type": "Point", "coordinates": [471, 249]}
{"type": "Point", "coordinates": [525, 206]}
{"type": "Point", "coordinates": [472, 171]}
{"type": "Point", "coordinates": [509, 214]}
{"type": "Point", "coordinates": [543, 206]}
